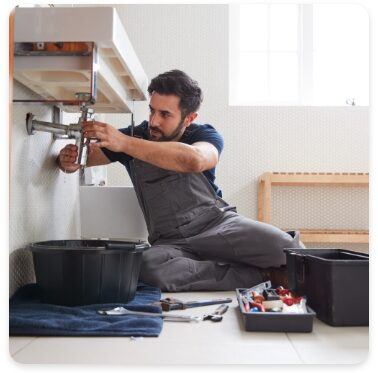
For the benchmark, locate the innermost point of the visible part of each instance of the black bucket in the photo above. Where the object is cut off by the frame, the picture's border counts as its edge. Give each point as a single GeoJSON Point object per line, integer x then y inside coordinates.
{"type": "Point", "coordinates": [335, 281]}
{"type": "Point", "coordinates": [79, 272]}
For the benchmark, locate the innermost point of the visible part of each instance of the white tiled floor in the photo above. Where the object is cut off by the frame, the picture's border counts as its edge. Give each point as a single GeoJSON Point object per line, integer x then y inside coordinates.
{"type": "Point", "coordinates": [202, 343]}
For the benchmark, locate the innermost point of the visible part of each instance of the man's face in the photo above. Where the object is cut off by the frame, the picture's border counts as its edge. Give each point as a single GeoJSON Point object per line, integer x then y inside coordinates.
{"type": "Point", "coordinates": [165, 122]}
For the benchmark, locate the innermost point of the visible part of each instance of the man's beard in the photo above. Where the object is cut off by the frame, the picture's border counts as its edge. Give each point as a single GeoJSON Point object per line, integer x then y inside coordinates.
{"type": "Point", "coordinates": [171, 137]}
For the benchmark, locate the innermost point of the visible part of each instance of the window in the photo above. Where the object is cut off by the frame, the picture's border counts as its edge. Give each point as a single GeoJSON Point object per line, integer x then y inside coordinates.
{"type": "Point", "coordinates": [298, 54]}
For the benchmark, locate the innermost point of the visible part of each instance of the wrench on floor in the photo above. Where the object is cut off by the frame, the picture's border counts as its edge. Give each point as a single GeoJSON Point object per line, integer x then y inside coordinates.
{"type": "Point", "coordinates": [216, 316]}
{"type": "Point", "coordinates": [121, 311]}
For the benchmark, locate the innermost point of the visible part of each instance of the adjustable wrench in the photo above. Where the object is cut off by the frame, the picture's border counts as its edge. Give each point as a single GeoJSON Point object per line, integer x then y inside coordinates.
{"type": "Point", "coordinates": [216, 316]}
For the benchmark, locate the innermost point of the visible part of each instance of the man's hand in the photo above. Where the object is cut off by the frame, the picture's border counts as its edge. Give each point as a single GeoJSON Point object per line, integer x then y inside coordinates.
{"type": "Point", "coordinates": [106, 135]}
{"type": "Point", "coordinates": [67, 158]}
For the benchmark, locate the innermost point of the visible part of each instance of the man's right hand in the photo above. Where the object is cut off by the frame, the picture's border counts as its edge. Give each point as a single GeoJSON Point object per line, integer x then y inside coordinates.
{"type": "Point", "coordinates": [67, 159]}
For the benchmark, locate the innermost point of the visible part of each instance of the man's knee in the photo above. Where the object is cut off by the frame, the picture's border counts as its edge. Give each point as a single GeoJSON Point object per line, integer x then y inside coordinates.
{"type": "Point", "coordinates": [294, 241]}
{"type": "Point", "coordinates": [285, 240]}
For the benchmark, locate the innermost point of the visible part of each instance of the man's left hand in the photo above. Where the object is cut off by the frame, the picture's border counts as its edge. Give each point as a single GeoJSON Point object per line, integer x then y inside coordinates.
{"type": "Point", "coordinates": [107, 136]}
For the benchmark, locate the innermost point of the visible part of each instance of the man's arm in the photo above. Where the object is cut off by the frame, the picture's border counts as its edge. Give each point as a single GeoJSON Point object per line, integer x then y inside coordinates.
{"type": "Point", "coordinates": [174, 156]}
{"type": "Point", "coordinates": [96, 157]}
{"type": "Point", "coordinates": [67, 158]}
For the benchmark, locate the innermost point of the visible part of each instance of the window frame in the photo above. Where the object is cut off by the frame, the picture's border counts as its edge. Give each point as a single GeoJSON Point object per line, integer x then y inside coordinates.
{"type": "Point", "coordinates": [304, 54]}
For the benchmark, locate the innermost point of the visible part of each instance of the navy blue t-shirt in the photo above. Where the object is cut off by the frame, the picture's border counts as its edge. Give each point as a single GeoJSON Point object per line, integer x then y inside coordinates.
{"type": "Point", "coordinates": [193, 133]}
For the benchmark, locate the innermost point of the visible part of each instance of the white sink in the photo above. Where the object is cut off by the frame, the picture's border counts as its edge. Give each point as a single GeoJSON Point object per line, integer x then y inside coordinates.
{"type": "Point", "coordinates": [121, 78]}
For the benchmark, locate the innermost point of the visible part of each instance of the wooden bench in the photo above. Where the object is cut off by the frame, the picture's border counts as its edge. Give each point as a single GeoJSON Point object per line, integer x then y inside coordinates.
{"type": "Point", "coordinates": [270, 179]}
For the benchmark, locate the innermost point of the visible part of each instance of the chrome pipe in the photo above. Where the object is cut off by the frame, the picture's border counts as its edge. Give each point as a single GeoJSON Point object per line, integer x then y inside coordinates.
{"type": "Point", "coordinates": [56, 128]}
{"type": "Point", "coordinates": [72, 130]}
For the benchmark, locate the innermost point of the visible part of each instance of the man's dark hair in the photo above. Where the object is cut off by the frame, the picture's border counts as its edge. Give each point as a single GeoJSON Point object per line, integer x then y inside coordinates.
{"type": "Point", "coordinates": [176, 82]}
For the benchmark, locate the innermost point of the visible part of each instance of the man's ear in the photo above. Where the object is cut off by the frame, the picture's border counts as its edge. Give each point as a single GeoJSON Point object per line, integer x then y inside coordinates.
{"type": "Point", "coordinates": [190, 118]}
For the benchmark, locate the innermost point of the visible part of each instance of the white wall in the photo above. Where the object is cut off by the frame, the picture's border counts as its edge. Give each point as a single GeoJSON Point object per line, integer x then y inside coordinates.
{"type": "Point", "coordinates": [43, 200]}
{"type": "Point", "coordinates": [194, 38]}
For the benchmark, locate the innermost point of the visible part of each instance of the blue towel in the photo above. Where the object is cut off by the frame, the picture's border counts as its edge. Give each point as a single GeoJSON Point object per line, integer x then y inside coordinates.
{"type": "Point", "coordinates": [28, 316]}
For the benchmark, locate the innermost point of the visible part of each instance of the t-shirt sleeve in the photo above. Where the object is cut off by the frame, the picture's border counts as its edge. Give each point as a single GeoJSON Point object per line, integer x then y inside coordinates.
{"type": "Point", "coordinates": [114, 156]}
{"type": "Point", "coordinates": [209, 134]}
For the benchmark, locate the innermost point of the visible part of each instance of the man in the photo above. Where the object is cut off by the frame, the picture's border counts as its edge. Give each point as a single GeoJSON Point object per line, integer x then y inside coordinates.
{"type": "Point", "coordinates": [198, 241]}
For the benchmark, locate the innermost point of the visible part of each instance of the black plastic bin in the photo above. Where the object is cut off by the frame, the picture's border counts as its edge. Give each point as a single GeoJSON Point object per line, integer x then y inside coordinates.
{"type": "Point", "coordinates": [79, 272]}
{"type": "Point", "coordinates": [335, 281]}
{"type": "Point", "coordinates": [276, 321]}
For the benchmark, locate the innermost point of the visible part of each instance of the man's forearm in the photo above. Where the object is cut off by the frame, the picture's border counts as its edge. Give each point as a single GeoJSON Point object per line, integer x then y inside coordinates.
{"type": "Point", "coordinates": [96, 157]}
{"type": "Point", "coordinates": [174, 156]}
{"type": "Point", "coordinates": [170, 155]}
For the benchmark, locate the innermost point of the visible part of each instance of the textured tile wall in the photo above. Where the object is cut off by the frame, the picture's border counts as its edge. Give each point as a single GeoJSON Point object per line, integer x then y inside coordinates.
{"type": "Point", "coordinates": [43, 200]}
{"type": "Point", "coordinates": [194, 38]}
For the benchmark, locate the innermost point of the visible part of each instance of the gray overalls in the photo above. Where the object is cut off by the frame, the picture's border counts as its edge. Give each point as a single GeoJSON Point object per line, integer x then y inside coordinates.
{"type": "Point", "coordinates": [197, 241]}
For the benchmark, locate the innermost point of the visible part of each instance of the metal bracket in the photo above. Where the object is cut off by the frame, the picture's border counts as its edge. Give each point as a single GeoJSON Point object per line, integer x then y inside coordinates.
{"type": "Point", "coordinates": [29, 124]}
{"type": "Point", "coordinates": [57, 118]}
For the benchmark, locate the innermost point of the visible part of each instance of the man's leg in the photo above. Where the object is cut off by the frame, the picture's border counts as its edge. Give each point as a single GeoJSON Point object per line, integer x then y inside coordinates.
{"type": "Point", "coordinates": [237, 239]}
{"type": "Point", "coordinates": [233, 253]}
{"type": "Point", "coordinates": [241, 240]}
{"type": "Point", "coordinates": [172, 268]}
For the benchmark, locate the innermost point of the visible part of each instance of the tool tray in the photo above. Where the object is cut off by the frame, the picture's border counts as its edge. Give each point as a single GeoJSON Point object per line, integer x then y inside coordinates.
{"type": "Point", "coordinates": [275, 321]}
